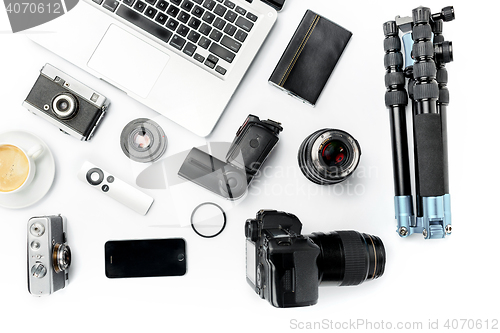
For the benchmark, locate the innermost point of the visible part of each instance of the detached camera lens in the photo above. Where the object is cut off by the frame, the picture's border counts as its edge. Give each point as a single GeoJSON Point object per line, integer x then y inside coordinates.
{"type": "Point", "coordinates": [64, 106]}
{"type": "Point", "coordinates": [328, 156]}
{"type": "Point", "coordinates": [143, 140]}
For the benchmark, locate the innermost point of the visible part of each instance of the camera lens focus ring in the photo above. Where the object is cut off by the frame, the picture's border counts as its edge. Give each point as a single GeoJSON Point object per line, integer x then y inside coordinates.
{"type": "Point", "coordinates": [64, 105]}
{"type": "Point", "coordinates": [61, 257]}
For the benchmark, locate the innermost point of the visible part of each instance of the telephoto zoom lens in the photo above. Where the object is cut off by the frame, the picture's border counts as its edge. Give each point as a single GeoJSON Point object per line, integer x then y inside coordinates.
{"type": "Point", "coordinates": [349, 258]}
{"type": "Point", "coordinates": [328, 156]}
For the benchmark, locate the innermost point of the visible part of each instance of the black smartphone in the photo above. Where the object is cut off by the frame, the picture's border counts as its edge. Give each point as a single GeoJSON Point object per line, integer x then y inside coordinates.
{"type": "Point", "coordinates": [145, 258]}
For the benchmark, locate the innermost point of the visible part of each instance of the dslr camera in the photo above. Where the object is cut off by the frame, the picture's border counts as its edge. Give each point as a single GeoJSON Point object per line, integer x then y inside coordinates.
{"type": "Point", "coordinates": [286, 267]}
{"type": "Point", "coordinates": [66, 103]}
{"type": "Point", "coordinates": [253, 143]}
{"type": "Point", "coordinates": [49, 255]}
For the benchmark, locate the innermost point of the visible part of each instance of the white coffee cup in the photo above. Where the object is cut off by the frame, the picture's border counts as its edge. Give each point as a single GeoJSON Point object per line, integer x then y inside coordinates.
{"type": "Point", "coordinates": [17, 167]}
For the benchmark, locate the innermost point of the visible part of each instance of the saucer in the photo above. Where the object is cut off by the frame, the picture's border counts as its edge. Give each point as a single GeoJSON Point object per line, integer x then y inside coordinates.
{"type": "Point", "coordinates": [44, 176]}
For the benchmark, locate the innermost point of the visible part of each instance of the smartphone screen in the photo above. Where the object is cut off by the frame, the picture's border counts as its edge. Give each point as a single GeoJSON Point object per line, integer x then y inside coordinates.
{"type": "Point", "coordinates": [145, 258]}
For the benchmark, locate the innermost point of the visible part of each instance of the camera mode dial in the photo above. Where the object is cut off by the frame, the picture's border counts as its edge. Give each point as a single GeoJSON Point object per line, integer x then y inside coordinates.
{"type": "Point", "coordinates": [38, 270]}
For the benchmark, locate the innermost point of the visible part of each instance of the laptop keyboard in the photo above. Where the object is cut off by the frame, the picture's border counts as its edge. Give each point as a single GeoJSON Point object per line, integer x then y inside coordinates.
{"type": "Point", "coordinates": [218, 26]}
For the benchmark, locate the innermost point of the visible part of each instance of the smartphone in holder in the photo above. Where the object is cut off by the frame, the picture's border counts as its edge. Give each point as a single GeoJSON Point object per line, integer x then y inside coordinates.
{"type": "Point", "coordinates": [145, 258]}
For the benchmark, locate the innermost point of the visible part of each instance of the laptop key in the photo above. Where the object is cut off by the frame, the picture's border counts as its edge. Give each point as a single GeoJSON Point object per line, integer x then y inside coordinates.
{"type": "Point", "coordinates": [208, 17]}
{"type": "Point", "coordinates": [222, 52]}
{"type": "Point", "coordinates": [244, 24]}
{"type": "Point", "coordinates": [183, 30]}
{"type": "Point", "coordinates": [128, 2]}
{"type": "Point", "coordinates": [230, 29]}
{"type": "Point", "coordinates": [205, 29]}
{"type": "Point", "coordinates": [177, 42]}
{"type": "Point", "coordinates": [230, 44]}
{"type": "Point", "coordinates": [229, 4]}
{"type": "Point", "coordinates": [220, 10]}
{"type": "Point", "coordinates": [161, 5]}
{"type": "Point", "coordinates": [230, 16]}
{"type": "Point", "coordinates": [151, 2]}
{"type": "Point", "coordinates": [199, 57]}
{"type": "Point", "coordinates": [216, 35]}
{"type": "Point", "coordinates": [97, 1]}
{"type": "Point", "coordinates": [111, 5]}
{"type": "Point", "coordinates": [213, 59]}
{"type": "Point", "coordinates": [240, 10]}
{"type": "Point", "coordinates": [209, 4]}
{"type": "Point", "coordinates": [193, 36]}
{"type": "Point", "coordinates": [189, 49]}
{"type": "Point", "coordinates": [144, 23]}
{"type": "Point", "coordinates": [198, 11]}
{"type": "Point", "coordinates": [198, 1]}
{"type": "Point", "coordinates": [150, 12]}
{"type": "Point", "coordinates": [183, 17]}
{"type": "Point", "coordinates": [140, 6]}
{"type": "Point", "coordinates": [241, 35]}
{"type": "Point", "coordinates": [204, 42]}
{"type": "Point", "coordinates": [176, 2]}
{"type": "Point", "coordinates": [220, 70]}
{"type": "Point", "coordinates": [251, 17]}
{"type": "Point", "coordinates": [194, 23]}
{"type": "Point", "coordinates": [172, 24]}
{"type": "Point", "coordinates": [187, 5]}
{"type": "Point", "coordinates": [219, 23]}
{"type": "Point", "coordinates": [173, 11]}
{"type": "Point", "coordinates": [161, 18]}
{"type": "Point", "coordinates": [209, 64]}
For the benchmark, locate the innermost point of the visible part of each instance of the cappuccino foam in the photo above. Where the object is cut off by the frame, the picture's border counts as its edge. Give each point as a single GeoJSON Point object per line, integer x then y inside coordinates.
{"type": "Point", "coordinates": [14, 168]}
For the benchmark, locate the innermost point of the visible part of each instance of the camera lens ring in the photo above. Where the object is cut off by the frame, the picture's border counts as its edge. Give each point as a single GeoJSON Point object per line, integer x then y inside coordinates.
{"type": "Point", "coordinates": [64, 105]}
{"type": "Point", "coordinates": [311, 156]}
{"type": "Point", "coordinates": [223, 224]}
{"type": "Point", "coordinates": [61, 257]}
{"type": "Point", "coordinates": [143, 140]}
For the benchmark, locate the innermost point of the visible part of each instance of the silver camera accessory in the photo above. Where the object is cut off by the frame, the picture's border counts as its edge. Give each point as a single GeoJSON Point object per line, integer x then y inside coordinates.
{"type": "Point", "coordinates": [73, 107]}
{"type": "Point", "coordinates": [49, 255]}
{"type": "Point", "coordinates": [143, 140]}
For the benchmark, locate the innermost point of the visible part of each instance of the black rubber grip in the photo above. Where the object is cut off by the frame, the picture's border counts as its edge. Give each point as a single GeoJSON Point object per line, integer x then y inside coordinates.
{"type": "Point", "coordinates": [422, 31]}
{"type": "Point", "coordinates": [425, 91]}
{"type": "Point", "coordinates": [394, 78]}
{"type": "Point", "coordinates": [424, 69]}
{"type": "Point", "coordinates": [423, 49]}
{"type": "Point", "coordinates": [355, 254]}
{"type": "Point", "coordinates": [392, 44]}
{"type": "Point", "coordinates": [397, 97]}
{"type": "Point", "coordinates": [429, 155]}
{"type": "Point", "coordinates": [393, 59]}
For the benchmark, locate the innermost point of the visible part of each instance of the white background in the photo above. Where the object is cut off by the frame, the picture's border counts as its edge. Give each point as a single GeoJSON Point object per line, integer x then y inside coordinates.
{"type": "Point", "coordinates": [423, 281]}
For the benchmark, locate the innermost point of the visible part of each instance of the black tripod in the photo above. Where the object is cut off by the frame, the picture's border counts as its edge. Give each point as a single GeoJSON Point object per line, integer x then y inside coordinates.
{"type": "Point", "coordinates": [425, 69]}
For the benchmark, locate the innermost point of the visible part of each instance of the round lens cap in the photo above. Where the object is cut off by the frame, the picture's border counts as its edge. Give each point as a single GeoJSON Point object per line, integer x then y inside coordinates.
{"type": "Point", "coordinates": [208, 220]}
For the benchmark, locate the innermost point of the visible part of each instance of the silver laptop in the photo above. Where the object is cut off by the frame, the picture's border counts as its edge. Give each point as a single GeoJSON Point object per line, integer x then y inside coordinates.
{"type": "Point", "coordinates": [182, 58]}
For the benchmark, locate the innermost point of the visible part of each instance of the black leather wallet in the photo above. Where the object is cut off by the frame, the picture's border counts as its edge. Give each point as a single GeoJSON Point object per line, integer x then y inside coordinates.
{"type": "Point", "coordinates": [310, 57]}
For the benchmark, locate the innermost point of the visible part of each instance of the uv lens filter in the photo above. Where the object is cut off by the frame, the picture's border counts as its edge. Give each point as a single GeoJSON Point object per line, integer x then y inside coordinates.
{"type": "Point", "coordinates": [208, 220]}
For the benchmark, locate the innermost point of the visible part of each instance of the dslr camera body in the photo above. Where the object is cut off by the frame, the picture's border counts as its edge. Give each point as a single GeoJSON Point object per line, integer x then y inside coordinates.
{"type": "Point", "coordinates": [286, 267]}
{"type": "Point", "coordinates": [253, 143]}
{"type": "Point", "coordinates": [49, 255]}
{"type": "Point", "coordinates": [66, 103]}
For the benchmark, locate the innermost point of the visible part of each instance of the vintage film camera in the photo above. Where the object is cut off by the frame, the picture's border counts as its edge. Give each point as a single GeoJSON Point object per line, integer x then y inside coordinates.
{"type": "Point", "coordinates": [253, 143]}
{"type": "Point", "coordinates": [66, 103]}
{"type": "Point", "coordinates": [286, 268]}
{"type": "Point", "coordinates": [49, 255]}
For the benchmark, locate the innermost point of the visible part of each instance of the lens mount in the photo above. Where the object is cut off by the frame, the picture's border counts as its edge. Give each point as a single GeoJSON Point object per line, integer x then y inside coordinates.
{"type": "Point", "coordinates": [328, 156]}
{"type": "Point", "coordinates": [61, 257]}
{"type": "Point", "coordinates": [64, 105]}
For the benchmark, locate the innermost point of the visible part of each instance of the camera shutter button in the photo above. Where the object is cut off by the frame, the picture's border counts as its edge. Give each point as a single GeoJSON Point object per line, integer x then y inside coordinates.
{"type": "Point", "coordinates": [254, 143]}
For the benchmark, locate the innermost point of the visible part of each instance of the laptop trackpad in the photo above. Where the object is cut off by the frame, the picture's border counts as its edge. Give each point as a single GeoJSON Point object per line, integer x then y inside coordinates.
{"type": "Point", "coordinates": [128, 61]}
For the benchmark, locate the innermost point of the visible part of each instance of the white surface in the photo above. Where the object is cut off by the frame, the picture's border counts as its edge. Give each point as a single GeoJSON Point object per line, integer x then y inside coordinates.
{"type": "Point", "coordinates": [424, 281]}
{"type": "Point", "coordinates": [44, 171]}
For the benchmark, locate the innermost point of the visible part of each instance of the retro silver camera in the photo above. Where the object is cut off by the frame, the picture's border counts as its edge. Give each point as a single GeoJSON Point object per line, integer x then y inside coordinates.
{"type": "Point", "coordinates": [66, 103]}
{"type": "Point", "coordinates": [49, 255]}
